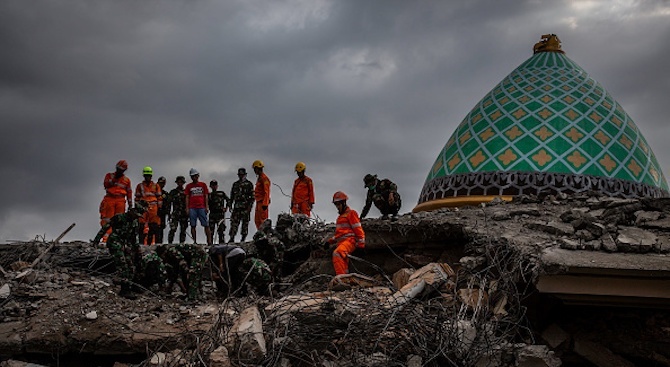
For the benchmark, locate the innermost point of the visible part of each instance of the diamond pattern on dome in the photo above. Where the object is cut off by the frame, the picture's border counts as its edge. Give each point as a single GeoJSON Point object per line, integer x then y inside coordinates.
{"type": "Point", "coordinates": [549, 116]}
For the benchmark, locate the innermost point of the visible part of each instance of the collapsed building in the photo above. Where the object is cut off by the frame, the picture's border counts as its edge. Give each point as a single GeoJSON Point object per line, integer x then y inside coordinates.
{"type": "Point", "coordinates": [541, 238]}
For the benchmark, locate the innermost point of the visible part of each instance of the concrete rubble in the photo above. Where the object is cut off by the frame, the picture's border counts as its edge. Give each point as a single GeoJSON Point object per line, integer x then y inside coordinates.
{"type": "Point", "coordinates": [501, 284]}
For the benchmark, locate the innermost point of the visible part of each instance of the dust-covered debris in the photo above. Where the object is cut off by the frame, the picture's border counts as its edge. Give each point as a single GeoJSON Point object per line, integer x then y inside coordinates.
{"type": "Point", "coordinates": [463, 294]}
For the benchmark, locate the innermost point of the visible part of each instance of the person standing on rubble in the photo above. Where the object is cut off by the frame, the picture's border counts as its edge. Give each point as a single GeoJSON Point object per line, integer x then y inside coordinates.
{"type": "Point", "coordinates": [349, 234]}
{"type": "Point", "coordinates": [118, 191]}
{"type": "Point", "coordinates": [163, 210]}
{"type": "Point", "coordinates": [183, 265]}
{"type": "Point", "coordinates": [178, 217]}
{"type": "Point", "coordinates": [384, 194]}
{"type": "Point", "coordinates": [151, 193]}
{"type": "Point", "coordinates": [302, 198]}
{"type": "Point", "coordinates": [197, 202]}
{"type": "Point", "coordinates": [123, 246]}
{"type": "Point", "coordinates": [218, 205]}
{"type": "Point", "coordinates": [240, 204]}
{"type": "Point", "coordinates": [261, 194]}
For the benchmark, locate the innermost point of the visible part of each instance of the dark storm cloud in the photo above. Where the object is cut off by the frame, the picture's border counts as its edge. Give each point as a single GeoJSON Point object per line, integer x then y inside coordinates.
{"type": "Point", "coordinates": [349, 87]}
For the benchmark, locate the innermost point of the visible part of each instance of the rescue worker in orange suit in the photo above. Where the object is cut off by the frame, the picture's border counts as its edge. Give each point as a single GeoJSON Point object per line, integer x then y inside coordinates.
{"type": "Point", "coordinates": [150, 192]}
{"type": "Point", "coordinates": [349, 234]}
{"type": "Point", "coordinates": [117, 192]}
{"type": "Point", "coordinates": [261, 194]}
{"type": "Point", "coordinates": [302, 198]}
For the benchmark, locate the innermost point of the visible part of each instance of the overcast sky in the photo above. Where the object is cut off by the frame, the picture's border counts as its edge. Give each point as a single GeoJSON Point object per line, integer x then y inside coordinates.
{"type": "Point", "coordinates": [348, 87]}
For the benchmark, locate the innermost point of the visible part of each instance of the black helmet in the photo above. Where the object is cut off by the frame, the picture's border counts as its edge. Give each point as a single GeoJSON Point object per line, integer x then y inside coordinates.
{"type": "Point", "coordinates": [180, 178]}
{"type": "Point", "coordinates": [369, 179]}
{"type": "Point", "coordinates": [242, 171]}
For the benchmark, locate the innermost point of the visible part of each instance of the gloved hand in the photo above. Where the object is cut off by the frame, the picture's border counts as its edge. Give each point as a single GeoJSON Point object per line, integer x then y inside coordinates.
{"type": "Point", "coordinates": [183, 265]}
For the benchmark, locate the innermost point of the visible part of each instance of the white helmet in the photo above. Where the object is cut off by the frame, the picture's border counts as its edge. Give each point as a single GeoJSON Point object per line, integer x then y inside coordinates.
{"type": "Point", "coordinates": [193, 172]}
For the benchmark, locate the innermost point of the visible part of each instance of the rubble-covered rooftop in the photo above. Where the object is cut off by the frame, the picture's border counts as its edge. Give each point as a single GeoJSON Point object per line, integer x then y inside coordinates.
{"type": "Point", "coordinates": [572, 281]}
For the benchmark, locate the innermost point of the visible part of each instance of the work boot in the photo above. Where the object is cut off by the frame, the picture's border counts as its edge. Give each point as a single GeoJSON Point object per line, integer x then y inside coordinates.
{"type": "Point", "coordinates": [125, 292]}
{"type": "Point", "coordinates": [243, 238]}
{"type": "Point", "coordinates": [385, 217]}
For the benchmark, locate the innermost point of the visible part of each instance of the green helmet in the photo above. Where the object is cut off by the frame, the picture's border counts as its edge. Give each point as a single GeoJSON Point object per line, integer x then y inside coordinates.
{"type": "Point", "coordinates": [147, 171]}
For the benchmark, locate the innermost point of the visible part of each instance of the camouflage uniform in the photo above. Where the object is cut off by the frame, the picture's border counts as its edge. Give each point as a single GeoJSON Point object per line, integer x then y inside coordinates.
{"type": "Point", "coordinates": [163, 212]}
{"type": "Point", "coordinates": [270, 248]}
{"type": "Point", "coordinates": [257, 274]}
{"type": "Point", "coordinates": [177, 201]}
{"type": "Point", "coordinates": [379, 195]}
{"type": "Point", "coordinates": [241, 202]}
{"type": "Point", "coordinates": [218, 202]}
{"type": "Point", "coordinates": [122, 245]}
{"type": "Point", "coordinates": [184, 261]}
{"type": "Point", "coordinates": [152, 271]}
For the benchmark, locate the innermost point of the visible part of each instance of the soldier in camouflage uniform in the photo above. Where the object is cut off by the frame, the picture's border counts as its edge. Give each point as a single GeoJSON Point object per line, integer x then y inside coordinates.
{"type": "Point", "coordinates": [270, 248]}
{"type": "Point", "coordinates": [240, 204]}
{"type": "Point", "coordinates": [123, 245]}
{"type": "Point", "coordinates": [163, 210]}
{"type": "Point", "coordinates": [257, 274]}
{"type": "Point", "coordinates": [218, 205]}
{"type": "Point", "coordinates": [152, 271]}
{"type": "Point", "coordinates": [183, 264]}
{"type": "Point", "coordinates": [384, 194]}
{"type": "Point", "coordinates": [177, 201]}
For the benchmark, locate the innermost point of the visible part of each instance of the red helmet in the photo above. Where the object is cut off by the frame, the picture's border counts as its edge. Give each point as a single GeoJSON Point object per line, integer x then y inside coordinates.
{"type": "Point", "coordinates": [122, 164]}
{"type": "Point", "coordinates": [339, 196]}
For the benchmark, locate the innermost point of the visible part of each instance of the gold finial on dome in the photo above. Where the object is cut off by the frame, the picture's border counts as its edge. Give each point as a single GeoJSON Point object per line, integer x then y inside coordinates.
{"type": "Point", "coordinates": [549, 43]}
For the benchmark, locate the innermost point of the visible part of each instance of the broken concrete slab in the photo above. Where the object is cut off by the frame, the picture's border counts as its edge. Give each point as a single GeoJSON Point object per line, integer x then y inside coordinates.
{"type": "Point", "coordinates": [401, 277]}
{"type": "Point", "coordinates": [247, 335]}
{"type": "Point", "coordinates": [552, 227]}
{"type": "Point", "coordinates": [411, 290]}
{"type": "Point", "coordinates": [349, 281]}
{"type": "Point", "coordinates": [632, 239]}
{"type": "Point", "coordinates": [300, 303]}
{"type": "Point", "coordinates": [434, 274]}
{"type": "Point", "coordinates": [536, 356]}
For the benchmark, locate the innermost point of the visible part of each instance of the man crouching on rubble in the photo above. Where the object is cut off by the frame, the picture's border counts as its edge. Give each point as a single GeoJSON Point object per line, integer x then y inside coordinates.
{"type": "Point", "coordinates": [183, 265]}
{"type": "Point", "coordinates": [349, 234]}
{"type": "Point", "coordinates": [123, 245]}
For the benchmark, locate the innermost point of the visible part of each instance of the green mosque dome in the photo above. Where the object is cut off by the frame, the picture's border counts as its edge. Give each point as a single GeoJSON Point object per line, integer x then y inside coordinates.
{"type": "Point", "coordinates": [548, 127]}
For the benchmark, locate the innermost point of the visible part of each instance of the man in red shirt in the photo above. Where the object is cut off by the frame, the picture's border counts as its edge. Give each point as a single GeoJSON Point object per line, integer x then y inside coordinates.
{"type": "Point", "coordinates": [261, 194]}
{"type": "Point", "coordinates": [197, 207]}
{"type": "Point", "coordinates": [117, 192]}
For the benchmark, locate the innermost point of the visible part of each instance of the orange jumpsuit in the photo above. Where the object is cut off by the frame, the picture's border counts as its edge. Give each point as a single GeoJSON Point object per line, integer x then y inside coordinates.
{"type": "Point", "coordinates": [262, 196]}
{"type": "Point", "coordinates": [349, 235]}
{"type": "Point", "coordinates": [302, 198]}
{"type": "Point", "coordinates": [152, 194]}
{"type": "Point", "coordinates": [117, 192]}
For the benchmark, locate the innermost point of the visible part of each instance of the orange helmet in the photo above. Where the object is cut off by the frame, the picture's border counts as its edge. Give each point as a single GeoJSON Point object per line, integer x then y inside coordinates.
{"type": "Point", "coordinates": [339, 196]}
{"type": "Point", "coordinates": [122, 164]}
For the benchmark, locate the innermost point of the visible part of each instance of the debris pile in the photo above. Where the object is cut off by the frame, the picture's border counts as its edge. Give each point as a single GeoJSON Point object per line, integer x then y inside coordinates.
{"type": "Point", "coordinates": [454, 287]}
